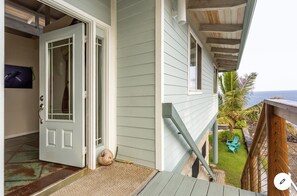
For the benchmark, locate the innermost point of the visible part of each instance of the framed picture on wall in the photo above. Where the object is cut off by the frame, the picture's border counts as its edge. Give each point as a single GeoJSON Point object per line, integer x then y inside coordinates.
{"type": "Point", "coordinates": [17, 76]}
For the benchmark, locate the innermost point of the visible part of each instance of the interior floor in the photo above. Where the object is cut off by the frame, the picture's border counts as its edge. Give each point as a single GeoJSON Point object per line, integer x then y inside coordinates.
{"type": "Point", "coordinates": [24, 171]}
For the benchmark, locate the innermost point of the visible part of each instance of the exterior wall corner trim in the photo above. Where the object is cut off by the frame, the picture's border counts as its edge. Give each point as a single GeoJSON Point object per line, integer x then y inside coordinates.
{"type": "Point", "coordinates": [159, 81]}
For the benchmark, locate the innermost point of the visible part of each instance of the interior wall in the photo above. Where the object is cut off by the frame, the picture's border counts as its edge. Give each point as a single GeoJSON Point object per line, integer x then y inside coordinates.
{"type": "Point", "coordinates": [21, 105]}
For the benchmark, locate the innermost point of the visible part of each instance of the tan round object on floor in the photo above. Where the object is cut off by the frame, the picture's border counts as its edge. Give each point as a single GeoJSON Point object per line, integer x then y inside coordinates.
{"type": "Point", "coordinates": [105, 157]}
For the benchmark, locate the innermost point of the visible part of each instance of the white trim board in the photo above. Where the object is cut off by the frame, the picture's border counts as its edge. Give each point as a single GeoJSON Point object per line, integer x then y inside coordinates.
{"type": "Point", "coordinates": [111, 78]}
{"type": "Point", "coordinates": [159, 84]}
{"type": "Point", "coordinates": [21, 134]}
{"type": "Point", "coordinates": [2, 96]}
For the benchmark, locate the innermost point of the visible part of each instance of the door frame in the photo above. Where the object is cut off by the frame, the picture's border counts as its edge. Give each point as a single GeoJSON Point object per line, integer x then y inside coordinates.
{"type": "Point", "coordinates": [109, 88]}
{"type": "Point", "coordinates": [2, 24]}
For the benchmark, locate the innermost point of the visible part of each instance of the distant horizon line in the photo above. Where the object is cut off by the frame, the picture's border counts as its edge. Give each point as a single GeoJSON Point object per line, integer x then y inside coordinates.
{"type": "Point", "coordinates": [272, 90]}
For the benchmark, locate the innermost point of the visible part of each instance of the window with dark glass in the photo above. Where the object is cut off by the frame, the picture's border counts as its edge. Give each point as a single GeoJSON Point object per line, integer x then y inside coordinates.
{"type": "Point", "coordinates": [215, 81]}
{"type": "Point", "coordinates": [195, 66]}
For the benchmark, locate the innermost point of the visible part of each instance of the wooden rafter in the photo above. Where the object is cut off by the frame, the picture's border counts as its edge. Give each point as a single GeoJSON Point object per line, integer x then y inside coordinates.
{"type": "Point", "coordinates": [21, 26]}
{"type": "Point", "coordinates": [220, 27]}
{"type": "Point", "coordinates": [226, 62]}
{"type": "Point", "coordinates": [22, 8]}
{"type": "Point", "coordinates": [47, 15]}
{"type": "Point", "coordinates": [223, 41]}
{"type": "Point", "coordinates": [224, 50]}
{"type": "Point", "coordinates": [228, 66]}
{"type": "Point", "coordinates": [227, 57]}
{"type": "Point", "coordinates": [31, 19]}
{"type": "Point", "coordinates": [226, 69]}
{"type": "Point", "coordinates": [34, 14]}
{"type": "Point", "coordinates": [206, 5]}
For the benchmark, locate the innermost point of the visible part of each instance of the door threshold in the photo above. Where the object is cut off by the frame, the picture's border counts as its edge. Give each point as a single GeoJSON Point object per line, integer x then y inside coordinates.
{"type": "Point", "coordinates": [48, 183]}
{"type": "Point", "coordinates": [63, 182]}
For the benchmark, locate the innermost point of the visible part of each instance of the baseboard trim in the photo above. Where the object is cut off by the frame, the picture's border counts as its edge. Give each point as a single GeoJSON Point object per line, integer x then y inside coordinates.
{"type": "Point", "coordinates": [20, 134]}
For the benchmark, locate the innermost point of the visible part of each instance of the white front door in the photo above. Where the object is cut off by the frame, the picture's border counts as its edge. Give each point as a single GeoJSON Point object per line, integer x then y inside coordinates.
{"type": "Point", "coordinates": [62, 96]}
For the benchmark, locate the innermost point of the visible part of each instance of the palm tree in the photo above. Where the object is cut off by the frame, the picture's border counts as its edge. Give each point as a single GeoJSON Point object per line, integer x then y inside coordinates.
{"type": "Point", "coordinates": [234, 96]}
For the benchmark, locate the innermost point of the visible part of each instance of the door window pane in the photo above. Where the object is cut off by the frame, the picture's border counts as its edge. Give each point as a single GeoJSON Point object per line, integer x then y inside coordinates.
{"type": "Point", "coordinates": [60, 80]}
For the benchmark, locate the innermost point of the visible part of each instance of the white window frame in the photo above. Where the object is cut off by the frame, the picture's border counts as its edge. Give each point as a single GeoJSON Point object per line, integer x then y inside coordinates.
{"type": "Point", "coordinates": [191, 32]}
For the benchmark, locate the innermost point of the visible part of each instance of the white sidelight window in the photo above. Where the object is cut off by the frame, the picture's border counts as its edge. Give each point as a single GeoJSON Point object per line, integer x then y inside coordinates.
{"type": "Point", "coordinates": [99, 82]}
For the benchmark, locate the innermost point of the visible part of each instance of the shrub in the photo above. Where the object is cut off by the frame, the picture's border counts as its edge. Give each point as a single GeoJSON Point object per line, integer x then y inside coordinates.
{"type": "Point", "coordinates": [241, 124]}
{"type": "Point", "coordinates": [227, 135]}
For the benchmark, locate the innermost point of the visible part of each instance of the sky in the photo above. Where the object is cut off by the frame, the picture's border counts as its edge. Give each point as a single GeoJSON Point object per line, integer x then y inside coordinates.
{"type": "Point", "coordinates": [271, 47]}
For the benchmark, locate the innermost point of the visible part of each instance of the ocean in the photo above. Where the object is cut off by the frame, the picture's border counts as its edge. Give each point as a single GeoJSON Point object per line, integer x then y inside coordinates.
{"type": "Point", "coordinates": [258, 96]}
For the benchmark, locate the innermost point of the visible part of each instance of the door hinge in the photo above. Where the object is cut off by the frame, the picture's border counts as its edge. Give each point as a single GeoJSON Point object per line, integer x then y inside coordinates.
{"type": "Point", "coordinates": [86, 94]}
{"type": "Point", "coordinates": [85, 150]}
{"type": "Point", "coordinates": [86, 38]}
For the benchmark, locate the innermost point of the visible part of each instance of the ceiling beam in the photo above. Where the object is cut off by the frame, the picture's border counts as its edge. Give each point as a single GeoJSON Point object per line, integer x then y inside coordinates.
{"type": "Point", "coordinates": [31, 19]}
{"type": "Point", "coordinates": [227, 62]}
{"type": "Point", "coordinates": [58, 24]}
{"type": "Point", "coordinates": [220, 27]}
{"type": "Point", "coordinates": [233, 68]}
{"type": "Point", "coordinates": [21, 26]}
{"type": "Point", "coordinates": [22, 8]}
{"type": "Point", "coordinates": [47, 15]}
{"type": "Point", "coordinates": [25, 9]}
{"type": "Point", "coordinates": [223, 41]}
{"type": "Point", "coordinates": [207, 5]}
{"type": "Point", "coordinates": [227, 57]}
{"type": "Point", "coordinates": [226, 66]}
{"type": "Point", "coordinates": [226, 69]}
{"type": "Point", "coordinates": [224, 50]}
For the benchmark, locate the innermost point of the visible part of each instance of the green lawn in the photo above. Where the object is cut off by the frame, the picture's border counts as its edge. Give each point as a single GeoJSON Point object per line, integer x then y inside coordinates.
{"type": "Point", "coordinates": [231, 163]}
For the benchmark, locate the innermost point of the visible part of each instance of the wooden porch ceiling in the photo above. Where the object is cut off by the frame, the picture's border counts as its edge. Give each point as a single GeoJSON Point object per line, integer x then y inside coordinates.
{"type": "Point", "coordinates": [28, 18]}
{"type": "Point", "coordinates": [222, 24]}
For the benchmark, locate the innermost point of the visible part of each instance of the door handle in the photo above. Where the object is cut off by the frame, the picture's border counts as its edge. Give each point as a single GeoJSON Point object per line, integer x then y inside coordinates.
{"type": "Point", "coordinates": [41, 107]}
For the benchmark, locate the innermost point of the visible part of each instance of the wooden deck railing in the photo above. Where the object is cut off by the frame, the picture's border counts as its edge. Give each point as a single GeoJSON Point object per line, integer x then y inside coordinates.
{"type": "Point", "coordinates": [271, 152]}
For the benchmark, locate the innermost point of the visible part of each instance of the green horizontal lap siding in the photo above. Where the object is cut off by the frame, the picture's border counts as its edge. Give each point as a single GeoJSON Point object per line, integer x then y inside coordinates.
{"type": "Point", "coordinates": [136, 70]}
{"type": "Point", "coordinates": [100, 9]}
{"type": "Point", "coordinates": [136, 81]}
{"type": "Point", "coordinates": [195, 110]}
